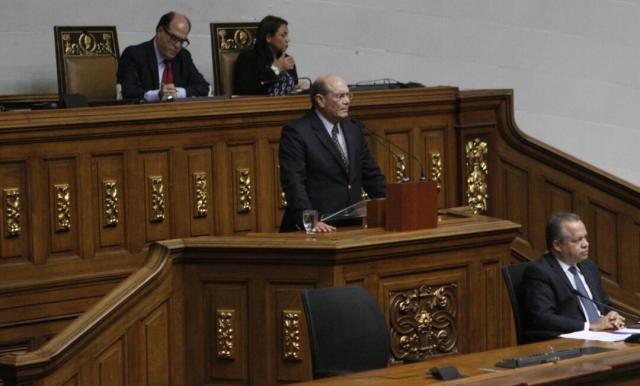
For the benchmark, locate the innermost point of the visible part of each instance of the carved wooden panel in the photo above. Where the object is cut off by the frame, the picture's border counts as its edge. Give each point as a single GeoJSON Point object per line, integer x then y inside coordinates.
{"type": "Point", "coordinates": [291, 344]}
{"type": "Point", "coordinates": [492, 299]}
{"type": "Point", "coordinates": [14, 209]}
{"type": "Point", "coordinates": [245, 186]}
{"type": "Point", "coordinates": [109, 205]}
{"type": "Point", "coordinates": [63, 209]}
{"type": "Point", "coordinates": [559, 199]}
{"type": "Point", "coordinates": [157, 348]}
{"type": "Point", "coordinates": [111, 365]}
{"type": "Point", "coordinates": [603, 236]}
{"type": "Point", "coordinates": [201, 199]}
{"type": "Point", "coordinates": [515, 194]}
{"type": "Point", "coordinates": [279, 200]}
{"type": "Point", "coordinates": [434, 160]}
{"type": "Point", "coordinates": [157, 195]}
{"type": "Point", "coordinates": [399, 164]}
{"type": "Point", "coordinates": [476, 154]}
{"type": "Point", "coordinates": [226, 356]}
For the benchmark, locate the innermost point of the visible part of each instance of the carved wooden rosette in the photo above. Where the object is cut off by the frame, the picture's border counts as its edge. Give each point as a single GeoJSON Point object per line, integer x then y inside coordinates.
{"type": "Point", "coordinates": [423, 322]}
{"type": "Point", "coordinates": [401, 171]}
{"type": "Point", "coordinates": [244, 190]}
{"type": "Point", "coordinates": [477, 170]}
{"type": "Point", "coordinates": [291, 335]}
{"type": "Point", "coordinates": [436, 169]}
{"type": "Point", "coordinates": [156, 199]}
{"type": "Point", "coordinates": [85, 43]}
{"type": "Point", "coordinates": [11, 199]}
{"type": "Point", "coordinates": [110, 203]}
{"type": "Point", "coordinates": [62, 207]}
{"type": "Point", "coordinates": [224, 334]}
{"type": "Point", "coordinates": [200, 199]}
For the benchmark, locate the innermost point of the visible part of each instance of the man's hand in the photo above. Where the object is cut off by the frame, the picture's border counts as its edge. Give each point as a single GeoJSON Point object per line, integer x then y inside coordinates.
{"type": "Point", "coordinates": [612, 320]}
{"type": "Point", "coordinates": [167, 91]}
{"type": "Point", "coordinates": [322, 227]}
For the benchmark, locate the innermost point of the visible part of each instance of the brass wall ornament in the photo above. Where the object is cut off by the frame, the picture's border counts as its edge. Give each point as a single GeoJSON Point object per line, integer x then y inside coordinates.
{"type": "Point", "coordinates": [236, 38]}
{"type": "Point", "coordinates": [282, 197]}
{"type": "Point", "coordinates": [12, 209]}
{"type": "Point", "coordinates": [244, 190]}
{"type": "Point", "coordinates": [436, 169]}
{"type": "Point", "coordinates": [224, 333]}
{"type": "Point", "coordinates": [62, 207]}
{"type": "Point", "coordinates": [200, 200]}
{"type": "Point", "coordinates": [156, 199]}
{"type": "Point", "coordinates": [402, 174]}
{"type": "Point", "coordinates": [111, 212]}
{"type": "Point", "coordinates": [477, 172]}
{"type": "Point", "coordinates": [291, 335]}
{"type": "Point", "coordinates": [85, 43]}
{"type": "Point", "coordinates": [423, 321]}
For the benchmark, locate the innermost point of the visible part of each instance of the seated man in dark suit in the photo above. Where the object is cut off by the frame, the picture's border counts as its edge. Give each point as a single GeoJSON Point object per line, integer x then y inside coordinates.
{"type": "Point", "coordinates": [325, 159]}
{"type": "Point", "coordinates": [558, 286]}
{"type": "Point", "coordinates": [162, 68]}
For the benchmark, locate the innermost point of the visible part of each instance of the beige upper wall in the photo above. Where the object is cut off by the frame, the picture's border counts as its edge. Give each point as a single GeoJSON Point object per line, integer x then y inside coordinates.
{"type": "Point", "coordinates": [573, 64]}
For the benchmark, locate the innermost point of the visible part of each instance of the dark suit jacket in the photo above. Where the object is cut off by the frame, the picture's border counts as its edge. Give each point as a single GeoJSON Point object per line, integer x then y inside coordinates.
{"type": "Point", "coordinates": [313, 175]}
{"type": "Point", "coordinates": [252, 77]}
{"type": "Point", "coordinates": [138, 72]}
{"type": "Point", "coordinates": [550, 304]}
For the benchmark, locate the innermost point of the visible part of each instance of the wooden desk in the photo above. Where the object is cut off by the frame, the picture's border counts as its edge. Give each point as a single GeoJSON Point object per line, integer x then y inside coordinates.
{"type": "Point", "coordinates": [618, 367]}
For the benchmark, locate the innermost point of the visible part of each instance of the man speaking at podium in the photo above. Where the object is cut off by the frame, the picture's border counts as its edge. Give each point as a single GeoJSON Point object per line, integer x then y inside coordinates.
{"type": "Point", "coordinates": [559, 287]}
{"type": "Point", "coordinates": [325, 159]}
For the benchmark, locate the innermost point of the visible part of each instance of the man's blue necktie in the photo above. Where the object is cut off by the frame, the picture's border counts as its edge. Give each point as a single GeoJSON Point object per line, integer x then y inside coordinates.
{"type": "Point", "coordinates": [589, 306]}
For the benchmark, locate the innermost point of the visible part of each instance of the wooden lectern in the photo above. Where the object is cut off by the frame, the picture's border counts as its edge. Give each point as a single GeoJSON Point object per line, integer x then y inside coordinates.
{"type": "Point", "coordinates": [408, 206]}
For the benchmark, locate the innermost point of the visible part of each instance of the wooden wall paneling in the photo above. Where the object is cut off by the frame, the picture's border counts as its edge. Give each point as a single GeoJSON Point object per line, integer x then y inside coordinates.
{"type": "Point", "coordinates": [515, 192]}
{"type": "Point", "coordinates": [265, 195]}
{"type": "Point", "coordinates": [226, 331]}
{"type": "Point", "coordinates": [399, 164]}
{"type": "Point", "coordinates": [603, 236]}
{"type": "Point", "coordinates": [111, 365]}
{"type": "Point", "coordinates": [493, 305]}
{"type": "Point", "coordinates": [109, 202]}
{"type": "Point", "coordinates": [14, 209]}
{"type": "Point", "coordinates": [559, 198]}
{"type": "Point", "coordinates": [243, 173]}
{"type": "Point", "coordinates": [64, 227]}
{"type": "Point", "coordinates": [157, 347]}
{"type": "Point", "coordinates": [157, 180]}
{"type": "Point", "coordinates": [179, 186]}
{"type": "Point", "coordinates": [136, 195]}
{"type": "Point", "coordinates": [291, 346]}
{"type": "Point", "coordinates": [279, 201]}
{"type": "Point", "coordinates": [434, 159]}
{"type": "Point", "coordinates": [200, 212]}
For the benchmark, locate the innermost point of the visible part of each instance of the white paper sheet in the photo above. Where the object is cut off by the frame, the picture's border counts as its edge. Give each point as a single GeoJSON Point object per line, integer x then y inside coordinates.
{"type": "Point", "coordinates": [615, 336]}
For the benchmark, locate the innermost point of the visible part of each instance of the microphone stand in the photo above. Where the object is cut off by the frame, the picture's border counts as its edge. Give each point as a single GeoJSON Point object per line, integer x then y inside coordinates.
{"type": "Point", "coordinates": [388, 143]}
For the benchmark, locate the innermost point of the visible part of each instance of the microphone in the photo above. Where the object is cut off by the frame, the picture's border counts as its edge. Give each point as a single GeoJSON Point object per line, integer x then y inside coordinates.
{"type": "Point", "coordinates": [601, 304]}
{"type": "Point", "coordinates": [385, 141]}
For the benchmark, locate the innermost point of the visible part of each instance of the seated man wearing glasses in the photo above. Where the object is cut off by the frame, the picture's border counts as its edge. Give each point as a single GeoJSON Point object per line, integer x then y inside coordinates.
{"type": "Point", "coordinates": [162, 68]}
{"type": "Point", "coordinates": [324, 158]}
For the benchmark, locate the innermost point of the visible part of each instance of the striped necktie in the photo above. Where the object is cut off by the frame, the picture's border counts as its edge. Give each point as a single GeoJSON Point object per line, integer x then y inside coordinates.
{"type": "Point", "coordinates": [334, 137]}
{"type": "Point", "coordinates": [589, 306]}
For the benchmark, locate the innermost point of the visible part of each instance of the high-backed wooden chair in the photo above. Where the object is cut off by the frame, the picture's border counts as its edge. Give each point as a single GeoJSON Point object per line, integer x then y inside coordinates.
{"type": "Point", "coordinates": [228, 40]}
{"type": "Point", "coordinates": [87, 61]}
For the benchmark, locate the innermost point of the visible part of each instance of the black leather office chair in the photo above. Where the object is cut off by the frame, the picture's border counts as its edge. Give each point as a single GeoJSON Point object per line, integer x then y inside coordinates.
{"type": "Point", "coordinates": [512, 275]}
{"type": "Point", "coordinates": [347, 331]}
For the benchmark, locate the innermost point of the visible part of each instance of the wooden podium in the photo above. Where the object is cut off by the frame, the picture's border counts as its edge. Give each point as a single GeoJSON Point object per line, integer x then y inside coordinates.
{"type": "Point", "coordinates": [409, 206]}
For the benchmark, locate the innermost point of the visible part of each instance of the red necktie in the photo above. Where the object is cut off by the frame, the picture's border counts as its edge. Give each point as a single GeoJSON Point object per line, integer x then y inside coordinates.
{"type": "Point", "coordinates": [167, 74]}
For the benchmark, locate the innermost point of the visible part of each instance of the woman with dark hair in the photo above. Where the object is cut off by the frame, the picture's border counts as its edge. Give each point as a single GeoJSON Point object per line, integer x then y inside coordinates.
{"type": "Point", "coordinates": [267, 69]}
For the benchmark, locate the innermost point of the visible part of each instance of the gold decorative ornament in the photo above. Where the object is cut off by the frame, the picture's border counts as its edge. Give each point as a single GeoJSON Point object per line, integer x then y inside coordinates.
{"type": "Point", "coordinates": [402, 174]}
{"type": "Point", "coordinates": [436, 169]}
{"type": "Point", "coordinates": [156, 198]}
{"type": "Point", "coordinates": [423, 321]}
{"type": "Point", "coordinates": [291, 335]}
{"type": "Point", "coordinates": [84, 43]}
{"type": "Point", "coordinates": [110, 191]}
{"type": "Point", "coordinates": [224, 333]}
{"type": "Point", "coordinates": [244, 190]}
{"type": "Point", "coordinates": [200, 201]}
{"type": "Point", "coordinates": [62, 207]}
{"type": "Point", "coordinates": [282, 197]}
{"type": "Point", "coordinates": [236, 38]}
{"type": "Point", "coordinates": [477, 172]}
{"type": "Point", "coordinates": [11, 212]}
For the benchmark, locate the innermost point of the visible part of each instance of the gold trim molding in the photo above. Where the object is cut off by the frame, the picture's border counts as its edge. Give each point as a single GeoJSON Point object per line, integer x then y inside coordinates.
{"type": "Point", "coordinates": [200, 197]}
{"type": "Point", "coordinates": [477, 171]}
{"type": "Point", "coordinates": [401, 172]}
{"type": "Point", "coordinates": [436, 169]}
{"type": "Point", "coordinates": [156, 199]}
{"type": "Point", "coordinates": [291, 335]}
{"type": "Point", "coordinates": [244, 190]}
{"type": "Point", "coordinates": [423, 321]}
{"type": "Point", "coordinates": [111, 211]}
{"type": "Point", "coordinates": [224, 333]}
{"type": "Point", "coordinates": [62, 196]}
{"type": "Point", "coordinates": [12, 209]}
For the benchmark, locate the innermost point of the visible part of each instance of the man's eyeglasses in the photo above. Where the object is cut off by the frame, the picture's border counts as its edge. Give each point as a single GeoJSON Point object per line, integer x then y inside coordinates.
{"type": "Point", "coordinates": [176, 39]}
{"type": "Point", "coordinates": [342, 96]}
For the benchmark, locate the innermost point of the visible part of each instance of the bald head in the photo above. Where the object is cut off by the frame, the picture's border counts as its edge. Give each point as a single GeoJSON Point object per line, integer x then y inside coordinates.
{"type": "Point", "coordinates": [172, 34]}
{"type": "Point", "coordinates": [330, 95]}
